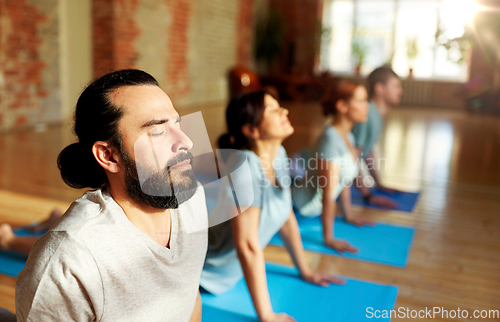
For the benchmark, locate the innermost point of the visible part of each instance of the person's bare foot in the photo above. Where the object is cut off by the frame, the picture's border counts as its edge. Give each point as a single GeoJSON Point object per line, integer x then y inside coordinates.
{"type": "Point", "coordinates": [6, 236]}
{"type": "Point", "coordinates": [46, 224]}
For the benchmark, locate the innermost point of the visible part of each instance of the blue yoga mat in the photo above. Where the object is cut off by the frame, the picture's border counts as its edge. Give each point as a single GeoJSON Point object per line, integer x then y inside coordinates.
{"type": "Point", "coordinates": [13, 263]}
{"type": "Point", "coordinates": [406, 200]}
{"type": "Point", "coordinates": [304, 301]}
{"type": "Point", "coordinates": [383, 243]}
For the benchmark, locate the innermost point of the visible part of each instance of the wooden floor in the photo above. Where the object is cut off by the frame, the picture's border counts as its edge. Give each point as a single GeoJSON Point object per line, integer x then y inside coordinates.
{"type": "Point", "coordinates": [451, 156]}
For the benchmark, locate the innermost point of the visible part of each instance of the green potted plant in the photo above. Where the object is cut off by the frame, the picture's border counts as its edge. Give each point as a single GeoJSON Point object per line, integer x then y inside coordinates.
{"type": "Point", "coordinates": [483, 32]}
{"type": "Point", "coordinates": [359, 51]}
{"type": "Point", "coordinates": [411, 53]}
{"type": "Point", "coordinates": [322, 37]}
{"type": "Point", "coordinates": [463, 43]}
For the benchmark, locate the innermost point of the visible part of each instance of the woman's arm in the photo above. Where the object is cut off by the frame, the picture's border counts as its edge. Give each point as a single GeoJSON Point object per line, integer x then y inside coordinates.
{"type": "Point", "coordinates": [345, 202]}
{"type": "Point", "coordinates": [365, 191]}
{"type": "Point", "coordinates": [372, 168]}
{"type": "Point", "coordinates": [246, 239]}
{"type": "Point", "coordinates": [328, 178]}
{"type": "Point", "coordinates": [359, 180]}
{"type": "Point", "coordinates": [370, 164]}
{"type": "Point", "coordinates": [291, 237]}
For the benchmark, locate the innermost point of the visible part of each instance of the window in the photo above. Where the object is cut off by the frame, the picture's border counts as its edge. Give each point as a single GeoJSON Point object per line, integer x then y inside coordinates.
{"type": "Point", "coordinates": [385, 28]}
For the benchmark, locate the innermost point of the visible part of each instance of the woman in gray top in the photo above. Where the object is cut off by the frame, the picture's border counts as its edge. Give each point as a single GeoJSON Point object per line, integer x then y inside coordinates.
{"type": "Point", "coordinates": [257, 126]}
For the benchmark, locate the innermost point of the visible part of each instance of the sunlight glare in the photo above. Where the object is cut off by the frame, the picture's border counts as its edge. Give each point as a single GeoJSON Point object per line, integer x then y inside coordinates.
{"type": "Point", "coordinates": [459, 12]}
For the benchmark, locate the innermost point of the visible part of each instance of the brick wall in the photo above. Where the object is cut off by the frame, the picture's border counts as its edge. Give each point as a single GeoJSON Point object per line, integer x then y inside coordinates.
{"type": "Point", "coordinates": [212, 50]}
{"type": "Point", "coordinates": [244, 32]}
{"type": "Point", "coordinates": [29, 63]}
{"type": "Point", "coordinates": [115, 32]}
{"type": "Point", "coordinates": [188, 45]}
{"type": "Point", "coordinates": [177, 67]}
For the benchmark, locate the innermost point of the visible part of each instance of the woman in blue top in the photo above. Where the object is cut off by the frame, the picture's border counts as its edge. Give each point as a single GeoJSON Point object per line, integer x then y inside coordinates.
{"type": "Point", "coordinates": [331, 163]}
{"type": "Point", "coordinates": [257, 126]}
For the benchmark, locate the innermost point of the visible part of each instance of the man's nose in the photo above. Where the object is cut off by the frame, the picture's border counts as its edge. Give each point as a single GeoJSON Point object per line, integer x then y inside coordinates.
{"type": "Point", "coordinates": [181, 141]}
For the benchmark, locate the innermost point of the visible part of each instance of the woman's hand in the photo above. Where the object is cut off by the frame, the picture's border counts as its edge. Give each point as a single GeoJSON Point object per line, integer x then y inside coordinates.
{"type": "Point", "coordinates": [322, 279]}
{"type": "Point", "coordinates": [277, 317]}
{"type": "Point", "coordinates": [360, 222]}
{"type": "Point", "coordinates": [382, 201]}
{"type": "Point", "coordinates": [340, 245]}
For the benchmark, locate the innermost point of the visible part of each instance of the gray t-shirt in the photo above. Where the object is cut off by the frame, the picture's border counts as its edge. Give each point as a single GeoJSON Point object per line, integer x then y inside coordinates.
{"type": "Point", "coordinates": [95, 265]}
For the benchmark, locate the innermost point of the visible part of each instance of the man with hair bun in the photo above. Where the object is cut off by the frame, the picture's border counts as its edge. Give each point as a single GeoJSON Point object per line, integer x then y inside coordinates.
{"type": "Point", "coordinates": [133, 248]}
{"type": "Point", "coordinates": [384, 90]}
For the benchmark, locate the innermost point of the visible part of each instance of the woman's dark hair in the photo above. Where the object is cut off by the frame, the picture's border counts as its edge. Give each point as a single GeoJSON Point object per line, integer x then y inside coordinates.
{"type": "Point", "coordinates": [244, 109]}
{"type": "Point", "coordinates": [96, 119]}
{"type": "Point", "coordinates": [343, 90]}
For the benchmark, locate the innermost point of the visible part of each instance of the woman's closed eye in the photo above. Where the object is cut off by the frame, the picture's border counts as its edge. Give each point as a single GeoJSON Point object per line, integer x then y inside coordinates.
{"type": "Point", "coordinates": [275, 109]}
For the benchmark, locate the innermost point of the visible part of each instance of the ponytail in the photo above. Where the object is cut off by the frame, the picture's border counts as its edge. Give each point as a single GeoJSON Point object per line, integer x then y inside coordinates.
{"type": "Point", "coordinates": [225, 142]}
{"type": "Point", "coordinates": [79, 169]}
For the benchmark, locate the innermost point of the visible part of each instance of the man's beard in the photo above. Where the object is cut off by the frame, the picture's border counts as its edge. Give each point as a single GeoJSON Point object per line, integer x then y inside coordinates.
{"type": "Point", "coordinates": [165, 189]}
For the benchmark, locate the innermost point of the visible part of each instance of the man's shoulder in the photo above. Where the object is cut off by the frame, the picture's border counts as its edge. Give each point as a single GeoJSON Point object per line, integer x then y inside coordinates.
{"type": "Point", "coordinates": [359, 127]}
{"type": "Point", "coordinates": [360, 130]}
{"type": "Point", "coordinates": [55, 250]}
{"type": "Point", "coordinates": [374, 110]}
{"type": "Point", "coordinates": [59, 267]}
{"type": "Point", "coordinates": [56, 243]}
{"type": "Point", "coordinates": [68, 240]}
{"type": "Point", "coordinates": [84, 212]}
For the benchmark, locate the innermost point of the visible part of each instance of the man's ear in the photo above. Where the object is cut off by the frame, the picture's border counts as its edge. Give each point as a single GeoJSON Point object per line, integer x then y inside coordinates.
{"type": "Point", "coordinates": [378, 89]}
{"type": "Point", "coordinates": [106, 156]}
{"type": "Point", "coordinates": [250, 131]}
